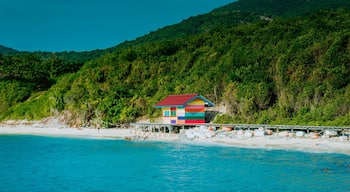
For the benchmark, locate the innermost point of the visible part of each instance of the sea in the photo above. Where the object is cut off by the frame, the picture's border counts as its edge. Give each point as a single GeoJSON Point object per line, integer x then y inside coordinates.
{"type": "Point", "coordinates": [39, 163]}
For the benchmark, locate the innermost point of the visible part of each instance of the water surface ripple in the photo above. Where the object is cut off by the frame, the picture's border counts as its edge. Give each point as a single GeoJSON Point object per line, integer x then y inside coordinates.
{"type": "Point", "coordinates": [34, 163]}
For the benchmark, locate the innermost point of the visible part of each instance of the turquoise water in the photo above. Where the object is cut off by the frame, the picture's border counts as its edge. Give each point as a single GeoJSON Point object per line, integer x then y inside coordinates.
{"type": "Point", "coordinates": [34, 163]}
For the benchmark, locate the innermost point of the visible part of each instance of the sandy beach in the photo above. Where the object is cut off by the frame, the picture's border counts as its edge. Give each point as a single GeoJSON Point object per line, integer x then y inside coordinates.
{"type": "Point", "coordinates": [324, 145]}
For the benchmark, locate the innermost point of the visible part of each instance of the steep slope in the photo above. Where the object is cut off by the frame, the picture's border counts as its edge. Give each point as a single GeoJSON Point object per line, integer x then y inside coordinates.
{"type": "Point", "coordinates": [238, 13]}
{"type": "Point", "coordinates": [7, 50]}
{"type": "Point", "coordinates": [291, 71]}
{"type": "Point", "coordinates": [234, 14]}
{"type": "Point", "coordinates": [283, 8]}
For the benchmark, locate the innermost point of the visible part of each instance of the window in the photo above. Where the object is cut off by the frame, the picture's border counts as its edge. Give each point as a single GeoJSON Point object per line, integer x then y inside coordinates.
{"type": "Point", "coordinates": [166, 113]}
{"type": "Point", "coordinates": [173, 112]}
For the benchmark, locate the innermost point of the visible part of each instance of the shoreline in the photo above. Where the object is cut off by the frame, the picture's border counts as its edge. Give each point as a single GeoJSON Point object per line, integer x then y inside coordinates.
{"type": "Point", "coordinates": [319, 145]}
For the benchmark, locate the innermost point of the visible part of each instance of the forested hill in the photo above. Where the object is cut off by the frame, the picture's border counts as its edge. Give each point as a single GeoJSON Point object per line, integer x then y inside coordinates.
{"type": "Point", "coordinates": [6, 50]}
{"type": "Point", "coordinates": [283, 8]}
{"type": "Point", "coordinates": [239, 13]}
{"type": "Point", "coordinates": [292, 70]}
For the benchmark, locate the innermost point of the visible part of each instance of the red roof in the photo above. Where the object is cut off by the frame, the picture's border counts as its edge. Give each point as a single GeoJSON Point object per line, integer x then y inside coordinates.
{"type": "Point", "coordinates": [176, 100]}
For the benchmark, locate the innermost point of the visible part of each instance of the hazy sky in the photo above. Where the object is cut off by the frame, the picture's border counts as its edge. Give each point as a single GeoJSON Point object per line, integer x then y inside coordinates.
{"type": "Point", "coordinates": [79, 25]}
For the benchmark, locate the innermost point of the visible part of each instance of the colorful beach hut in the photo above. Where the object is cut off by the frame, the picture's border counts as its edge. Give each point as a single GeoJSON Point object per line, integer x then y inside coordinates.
{"type": "Point", "coordinates": [184, 109]}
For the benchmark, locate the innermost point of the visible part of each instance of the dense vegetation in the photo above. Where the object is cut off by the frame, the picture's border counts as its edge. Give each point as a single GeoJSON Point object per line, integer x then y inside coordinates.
{"type": "Point", "coordinates": [286, 71]}
{"type": "Point", "coordinates": [27, 74]}
{"type": "Point", "coordinates": [286, 8]}
{"type": "Point", "coordinates": [6, 50]}
{"type": "Point", "coordinates": [239, 13]}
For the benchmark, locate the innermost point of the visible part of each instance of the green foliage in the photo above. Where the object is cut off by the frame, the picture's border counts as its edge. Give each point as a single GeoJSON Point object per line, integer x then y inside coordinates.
{"type": "Point", "coordinates": [285, 71]}
{"type": "Point", "coordinates": [27, 74]}
{"type": "Point", "coordinates": [12, 93]}
{"type": "Point", "coordinates": [283, 8]}
{"type": "Point", "coordinates": [6, 50]}
{"type": "Point", "coordinates": [238, 13]}
{"type": "Point", "coordinates": [35, 108]}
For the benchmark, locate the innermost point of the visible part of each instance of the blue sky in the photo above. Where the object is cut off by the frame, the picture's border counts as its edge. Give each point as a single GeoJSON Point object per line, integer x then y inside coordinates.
{"type": "Point", "coordinates": [82, 25]}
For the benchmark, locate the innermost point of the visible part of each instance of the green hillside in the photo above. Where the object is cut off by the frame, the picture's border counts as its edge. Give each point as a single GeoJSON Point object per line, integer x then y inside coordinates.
{"type": "Point", "coordinates": [286, 8]}
{"type": "Point", "coordinates": [293, 70]}
{"type": "Point", "coordinates": [7, 50]}
{"type": "Point", "coordinates": [239, 13]}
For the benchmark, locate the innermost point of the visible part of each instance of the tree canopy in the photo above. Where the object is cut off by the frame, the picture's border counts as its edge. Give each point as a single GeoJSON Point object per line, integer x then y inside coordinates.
{"type": "Point", "coordinates": [293, 70]}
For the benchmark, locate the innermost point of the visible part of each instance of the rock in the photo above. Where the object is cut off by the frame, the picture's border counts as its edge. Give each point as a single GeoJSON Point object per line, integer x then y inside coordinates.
{"type": "Point", "coordinates": [190, 134]}
{"type": "Point", "coordinates": [202, 127]}
{"type": "Point", "coordinates": [259, 133]}
{"type": "Point", "coordinates": [227, 129]}
{"type": "Point", "coordinates": [300, 134]}
{"type": "Point", "coordinates": [325, 137]}
{"type": "Point", "coordinates": [283, 134]}
{"type": "Point", "coordinates": [269, 132]}
{"type": "Point", "coordinates": [330, 133]}
{"type": "Point", "coordinates": [248, 133]}
{"type": "Point", "coordinates": [314, 135]}
{"type": "Point", "coordinates": [346, 133]}
{"type": "Point", "coordinates": [239, 132]}
{"type": "Point", "coordinates": [201, 132]}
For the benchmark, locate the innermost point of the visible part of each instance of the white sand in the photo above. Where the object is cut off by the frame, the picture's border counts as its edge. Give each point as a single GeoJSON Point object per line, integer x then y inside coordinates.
{"type": "Point", "coordinates": [69, 132]}
{"type": "Point", "coordinates": [332, 145]}
{"type": "Point", "coordinates": [297, 144]}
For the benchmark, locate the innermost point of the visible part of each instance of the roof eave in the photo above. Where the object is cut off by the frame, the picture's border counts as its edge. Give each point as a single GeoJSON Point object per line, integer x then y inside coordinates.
{"type": "Point", "coordinates": [206, 101]}
{"type": "Point", "coordinates": [168, 106]}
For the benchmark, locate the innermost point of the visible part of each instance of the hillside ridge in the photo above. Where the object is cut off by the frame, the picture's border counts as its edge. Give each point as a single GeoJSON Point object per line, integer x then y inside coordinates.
{"type": "Point", "coordinates": [291, 70]}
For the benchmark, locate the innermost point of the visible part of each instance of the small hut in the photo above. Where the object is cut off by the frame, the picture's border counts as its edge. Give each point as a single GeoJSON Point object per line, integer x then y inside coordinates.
{"type": "Point", "coordinates": [184, 109]}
